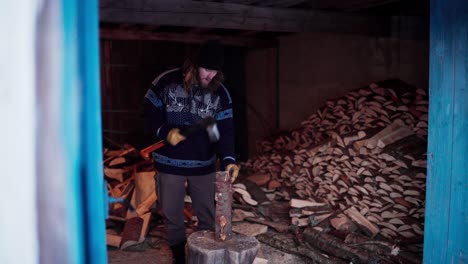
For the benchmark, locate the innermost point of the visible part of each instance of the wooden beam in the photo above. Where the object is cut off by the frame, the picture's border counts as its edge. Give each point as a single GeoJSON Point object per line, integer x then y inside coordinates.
{"type": "Point", "coordinates": [243, 2]}
{"type": "Point", "coordinates": [281, 3]}
{"type": "Point", "coordinates": [249, 33]}
{"type": "Point", "coordinates": [124, 34]}
{"type": "Point", "coordinates": [235, 16]}
{"type": "Point", "coordinates": [366, 4]}
{"type": "Point", "coordinates": [198, 30]}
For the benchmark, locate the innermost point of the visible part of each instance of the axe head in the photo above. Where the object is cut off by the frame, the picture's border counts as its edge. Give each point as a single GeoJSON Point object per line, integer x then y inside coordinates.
{"type": "Point", "coordinates": [213, 132]}
{"type": "Point", "coordinates": [209, 124]}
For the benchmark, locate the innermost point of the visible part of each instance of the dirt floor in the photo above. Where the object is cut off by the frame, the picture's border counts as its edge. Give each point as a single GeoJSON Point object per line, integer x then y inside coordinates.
{"type": "Point", "coordinates": [156, 251]}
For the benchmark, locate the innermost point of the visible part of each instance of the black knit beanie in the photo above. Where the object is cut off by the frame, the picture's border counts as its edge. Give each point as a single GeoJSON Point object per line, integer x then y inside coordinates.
{"type": "Point", "coordinates": [211, 56]}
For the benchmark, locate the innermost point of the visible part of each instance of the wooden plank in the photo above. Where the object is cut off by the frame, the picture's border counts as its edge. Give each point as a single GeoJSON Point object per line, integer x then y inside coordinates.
{"type": "Point", "coordinates": [190, 37]}
{"type": "Point", "coordinates": [235, 16]}
{"type": "Point", "coordinates": [445, 239]}
{"type": "Point", "coordinates": [281, 3]}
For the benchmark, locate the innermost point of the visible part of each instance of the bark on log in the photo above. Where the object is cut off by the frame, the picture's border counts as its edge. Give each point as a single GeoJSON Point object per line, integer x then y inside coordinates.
{"type": "Point", "coordinates": [336, 247]}
{"type": "Point", "coordinates": [223, 197]}
{"type": "Point", "coordinates": [287, 244]}
{"type": "Point", "coordinates": [380, 247]}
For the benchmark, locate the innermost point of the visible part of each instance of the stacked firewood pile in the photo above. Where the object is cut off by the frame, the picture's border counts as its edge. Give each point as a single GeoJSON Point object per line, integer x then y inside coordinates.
{"type": "Point", "coordinates": [131, 188]}
{"type": "Point", "coordinates": [354, 173]}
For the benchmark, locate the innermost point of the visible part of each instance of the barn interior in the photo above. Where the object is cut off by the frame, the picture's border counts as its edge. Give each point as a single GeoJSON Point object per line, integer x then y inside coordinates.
{"type": "Point", "coordinates": [330, 104]}
{"type": "Point", "coordinates": [348, 121]}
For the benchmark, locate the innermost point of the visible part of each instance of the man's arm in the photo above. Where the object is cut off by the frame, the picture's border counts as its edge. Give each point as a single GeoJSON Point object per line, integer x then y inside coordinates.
{"type": "Point", "coordinates": [225, 147]}
{"type": "Point", "coordinates": [155, 125]}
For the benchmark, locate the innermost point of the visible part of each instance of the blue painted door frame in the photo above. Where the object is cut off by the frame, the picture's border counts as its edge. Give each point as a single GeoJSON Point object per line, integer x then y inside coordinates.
{"type": "Point", "coordinates": [446, 238]}
{"type": "Point", "coordinates": [81, 88]}
{"type": "Point", "coordinates": [446, 222]}
{"type": "Point", "coordinates": [88, 28]}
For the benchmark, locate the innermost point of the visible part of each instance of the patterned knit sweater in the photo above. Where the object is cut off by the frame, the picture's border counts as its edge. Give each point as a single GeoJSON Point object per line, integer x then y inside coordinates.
{"type": "Point", "coordinates": [168, 105]}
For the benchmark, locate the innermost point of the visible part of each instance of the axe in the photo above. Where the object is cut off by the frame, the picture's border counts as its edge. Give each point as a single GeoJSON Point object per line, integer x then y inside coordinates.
{"type": "Point", "coordinates": [208, 123]}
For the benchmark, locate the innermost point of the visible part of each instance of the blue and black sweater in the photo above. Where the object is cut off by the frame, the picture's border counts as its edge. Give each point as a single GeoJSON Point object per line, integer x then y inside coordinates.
{"type": "Point", "coordinates": [168, 105]}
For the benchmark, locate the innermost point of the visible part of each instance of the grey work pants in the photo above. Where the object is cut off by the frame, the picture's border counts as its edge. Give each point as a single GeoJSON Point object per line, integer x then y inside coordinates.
{"type": "Point", "coordinates": [171, 192]}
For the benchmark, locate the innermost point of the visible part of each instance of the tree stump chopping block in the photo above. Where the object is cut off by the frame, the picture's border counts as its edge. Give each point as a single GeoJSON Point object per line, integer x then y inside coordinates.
{"type": "Point", "coordinates": [204, 249]}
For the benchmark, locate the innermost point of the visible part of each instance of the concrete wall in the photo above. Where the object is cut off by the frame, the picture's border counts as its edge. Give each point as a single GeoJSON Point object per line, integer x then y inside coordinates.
{"type": "Point", "coordinates": [318, 66]}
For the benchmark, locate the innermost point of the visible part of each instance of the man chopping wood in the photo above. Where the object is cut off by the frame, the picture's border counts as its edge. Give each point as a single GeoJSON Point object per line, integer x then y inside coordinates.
{"type": "Point", "coordinates": [178, 99]}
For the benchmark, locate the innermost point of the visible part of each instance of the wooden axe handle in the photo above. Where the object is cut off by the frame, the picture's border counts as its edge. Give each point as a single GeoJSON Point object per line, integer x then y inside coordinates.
{"type": "Point", "coordinates": [204, 123]}
{"type": "Point", "coordinates": [146, 151]}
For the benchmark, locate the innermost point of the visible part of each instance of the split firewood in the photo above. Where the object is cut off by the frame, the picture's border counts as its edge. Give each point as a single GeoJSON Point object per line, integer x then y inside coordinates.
{"type": "Point", "coordinates": [240, 215]}
{"type": "Point", "coordinates": [117, 153]}
{"type": "Point", "coordinates": [255, 192]}
{"type": "Point", "coordinates": [297, 203]}
{"type": "Point", "coordinates": [350, 139]}
{"type": "Point", "coordinates": [135, 230]}
{"type": "Point", "coordinates": [248, 229]}
{"type": "Point", "coordinates": [117, 161]}
{"type": "Point", "coordinates": [377, 184]}
{"type": "Point", "coordinates": [367, 227]}
{"type": "Point", "coordinates": [304, 221]}
{"type": "Point", "coordinates": [392, 133]}
{"type": "Point", "coordinates": [145, 206]}
{"type": "Point", "coordinates": [307, 211]}
{"type": "Point", "coordinates": [245, 195]}
{"type": "Point", "coordinates": [113, 240]}
{"type": "Point", "coordinates": [145, 185]}
{"type": "Point", "coordinates": [116, 174]}
{"type": "Point", "coordinates": [279, 227]}
{"type": "Point", "coordinates": [273, 184]}
{"type": "Point", "coordinates": [144, 194]}
{"type": "Point", "coordinates": [342, 223]}
{"type": "Point", "coordinates": [318, 219]}
{"type": "Point", "coordinates": [260, 179]}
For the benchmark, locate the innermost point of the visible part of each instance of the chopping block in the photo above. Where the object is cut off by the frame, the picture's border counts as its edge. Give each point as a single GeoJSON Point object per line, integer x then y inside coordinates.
{"type": "Point", "coordinates": [204, 249]}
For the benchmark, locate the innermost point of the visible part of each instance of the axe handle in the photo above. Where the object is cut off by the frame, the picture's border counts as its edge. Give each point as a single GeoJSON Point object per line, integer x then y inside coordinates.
{"type": "Point", "coordinates": [146, 151]}
{"type": "Point", "coordinates": [185, 132]}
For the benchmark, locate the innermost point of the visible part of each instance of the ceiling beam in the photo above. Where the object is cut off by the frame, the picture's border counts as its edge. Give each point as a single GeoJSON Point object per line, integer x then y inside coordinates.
{"type": "Point", "coordinates": [366, 4]}
{"type": "Point", "coordinates": [234, 16]}
{"type": "Point", "coordinates": [242, 2]}
{"type": "Point", "coordinates": [281, 3]}
{"type": "Point", "coordinates": [132, 34]}
{"type": "Point", "coordinates": [198, 30]}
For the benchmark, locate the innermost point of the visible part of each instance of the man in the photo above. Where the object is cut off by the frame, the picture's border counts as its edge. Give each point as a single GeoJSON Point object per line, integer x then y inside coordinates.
{"type": "Point", "coordinates": [178, 99]}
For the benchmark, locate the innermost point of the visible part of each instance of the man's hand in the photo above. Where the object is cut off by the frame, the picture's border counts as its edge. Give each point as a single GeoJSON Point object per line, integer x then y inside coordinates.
{"type": "Point", "coordinates": [234, 169]}
{"type": "Point", "coordinates": [174, 137]}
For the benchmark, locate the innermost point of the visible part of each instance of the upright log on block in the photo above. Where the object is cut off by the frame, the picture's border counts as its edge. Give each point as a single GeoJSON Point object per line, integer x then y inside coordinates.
{"type": "Point", "coordinates": [223, 197]}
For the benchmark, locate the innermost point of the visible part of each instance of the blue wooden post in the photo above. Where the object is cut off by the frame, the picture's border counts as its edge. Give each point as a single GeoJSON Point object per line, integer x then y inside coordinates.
{"type": "Point", "coordinates": [446, 225]}
{"type": "Point", "coordinates": [91, 131]}
{"type": "Point", "coordinates": [82, 91]}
